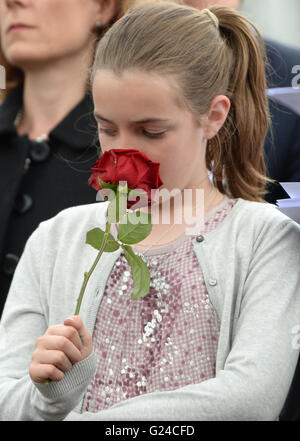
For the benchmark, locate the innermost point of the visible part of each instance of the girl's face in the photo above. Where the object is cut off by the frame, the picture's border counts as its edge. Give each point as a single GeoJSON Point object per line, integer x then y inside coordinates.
{"type": "Point", "coordinates": [140, 110]}
{"type": "Point", "coordinates": [34, 31]}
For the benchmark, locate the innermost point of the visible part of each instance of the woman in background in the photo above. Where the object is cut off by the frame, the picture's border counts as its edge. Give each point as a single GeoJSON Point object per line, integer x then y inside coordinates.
{"type": "Point", "coordinates": [46, 123]}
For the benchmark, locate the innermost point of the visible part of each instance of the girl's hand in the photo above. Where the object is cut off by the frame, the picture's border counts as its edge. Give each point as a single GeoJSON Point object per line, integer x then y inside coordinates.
{"type": "Point", "coordinates": [58, 349]}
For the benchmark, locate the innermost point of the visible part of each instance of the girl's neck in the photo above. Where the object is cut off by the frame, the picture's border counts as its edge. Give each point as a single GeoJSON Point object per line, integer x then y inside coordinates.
{"type": "Point", "coordinates": [173, 230]}
{"type": "Point", "coordinates": [202, 194]}
{"type": "Point", "coordinates": [50, 92]}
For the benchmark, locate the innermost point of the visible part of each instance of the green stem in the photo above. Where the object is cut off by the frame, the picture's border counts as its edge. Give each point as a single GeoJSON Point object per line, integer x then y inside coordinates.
{"type": "Point", "coordinates": [88, 274]}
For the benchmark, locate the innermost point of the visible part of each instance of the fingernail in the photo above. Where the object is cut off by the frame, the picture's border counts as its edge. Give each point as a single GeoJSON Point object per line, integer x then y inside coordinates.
{"type": "Point", "coordinates": [70, 318]}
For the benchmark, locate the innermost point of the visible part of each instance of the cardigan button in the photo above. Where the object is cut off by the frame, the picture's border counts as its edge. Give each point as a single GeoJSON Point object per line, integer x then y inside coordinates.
{"type": "Point", "coordinates": [39, 151]}
{"type": "Point", "coordinates": [200, 238]}
{"type": "Point", "coordinates": [23, 203]}
{"type": "Point", "coordinates": [212, 282]}
{"type": "Point", "coordinates": [9, 264]}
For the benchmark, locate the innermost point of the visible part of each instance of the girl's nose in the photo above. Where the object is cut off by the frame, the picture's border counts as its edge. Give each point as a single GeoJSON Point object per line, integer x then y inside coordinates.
{"type": "Point", "coordinates": [126, 141]}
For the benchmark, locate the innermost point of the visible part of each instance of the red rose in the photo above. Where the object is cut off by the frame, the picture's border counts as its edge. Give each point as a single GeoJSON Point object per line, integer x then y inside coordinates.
{"type": "Point", "coordinates": [129, 165]}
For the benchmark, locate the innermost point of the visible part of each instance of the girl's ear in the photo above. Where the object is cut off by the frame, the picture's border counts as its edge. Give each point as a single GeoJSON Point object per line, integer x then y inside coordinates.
{"type": "Point", "coordinates": [216, 115]}
{"type": "Point", "coordinates": [108, 9]}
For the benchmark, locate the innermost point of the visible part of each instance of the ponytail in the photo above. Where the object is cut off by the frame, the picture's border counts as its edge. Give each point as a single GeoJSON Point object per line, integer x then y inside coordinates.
{"type": "Point", "coordinates": [236, 154]}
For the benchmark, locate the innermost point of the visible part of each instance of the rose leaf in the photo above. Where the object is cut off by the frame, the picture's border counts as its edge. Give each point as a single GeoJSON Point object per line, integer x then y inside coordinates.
{"type": "Point", "coordinates": [135, 227]}
{"type": "Point", "coordinates": [140, 273]}
{"type": "Point", "coordinates": [95, 239]}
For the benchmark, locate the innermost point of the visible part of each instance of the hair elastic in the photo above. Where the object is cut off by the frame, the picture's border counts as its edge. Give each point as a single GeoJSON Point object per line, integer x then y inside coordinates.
{"type": "Point", "coordinates": [212, 16]}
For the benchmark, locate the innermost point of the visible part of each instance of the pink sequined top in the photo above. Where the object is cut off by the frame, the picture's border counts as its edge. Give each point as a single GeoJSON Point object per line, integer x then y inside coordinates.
{"type": "Point", "coordinates": [163, 341]}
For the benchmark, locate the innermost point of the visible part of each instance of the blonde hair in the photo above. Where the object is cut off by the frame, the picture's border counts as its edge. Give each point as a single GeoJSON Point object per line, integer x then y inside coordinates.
{"type": "Point", "coordinates": [129, 4]}
{"type": "Point", "coordinates": [14, 75]}
{"type": "Point", "coordinates": [207, 57]}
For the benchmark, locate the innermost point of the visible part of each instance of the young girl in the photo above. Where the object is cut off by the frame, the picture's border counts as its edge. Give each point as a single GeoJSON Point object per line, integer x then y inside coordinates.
{"type": "Point", "coordinates": [213, 340]}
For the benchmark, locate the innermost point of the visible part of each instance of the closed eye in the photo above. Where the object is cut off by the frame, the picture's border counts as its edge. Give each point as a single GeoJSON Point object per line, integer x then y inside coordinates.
{"type": "Point", "coordinates": [107, 131]}
{"type": "Point", "coordinates": [153, 134]}
{"type": "Point", "coordinates": [111, 132]}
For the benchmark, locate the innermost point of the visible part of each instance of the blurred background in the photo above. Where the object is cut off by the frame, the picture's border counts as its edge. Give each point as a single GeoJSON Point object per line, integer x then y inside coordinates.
{"type": "Point", "coordinates": [276, 19]}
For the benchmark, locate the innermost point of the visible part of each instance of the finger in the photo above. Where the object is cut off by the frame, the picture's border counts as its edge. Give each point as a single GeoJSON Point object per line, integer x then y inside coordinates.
{"type": "Point", "coordinates": [60, 343]}
{"type": "Point", "coordinates": [42, 372]}
{"type": "Point", "coordinates": [67, 331]}
{"type": "Point", "coordinates": [54, 357]}
{"type": "Point", "coordinates": [78, 324]}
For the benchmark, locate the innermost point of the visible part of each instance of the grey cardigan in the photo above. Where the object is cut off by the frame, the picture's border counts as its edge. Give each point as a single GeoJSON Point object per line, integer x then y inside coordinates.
{"type": "Point", "coordinates": [251, 267]}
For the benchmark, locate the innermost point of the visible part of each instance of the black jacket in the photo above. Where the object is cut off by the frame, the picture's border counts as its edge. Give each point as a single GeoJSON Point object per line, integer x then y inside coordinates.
{"type": "Point", "coordinates": [282, 152]}
{"type": "Point", "coordinates": [56, 177]}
